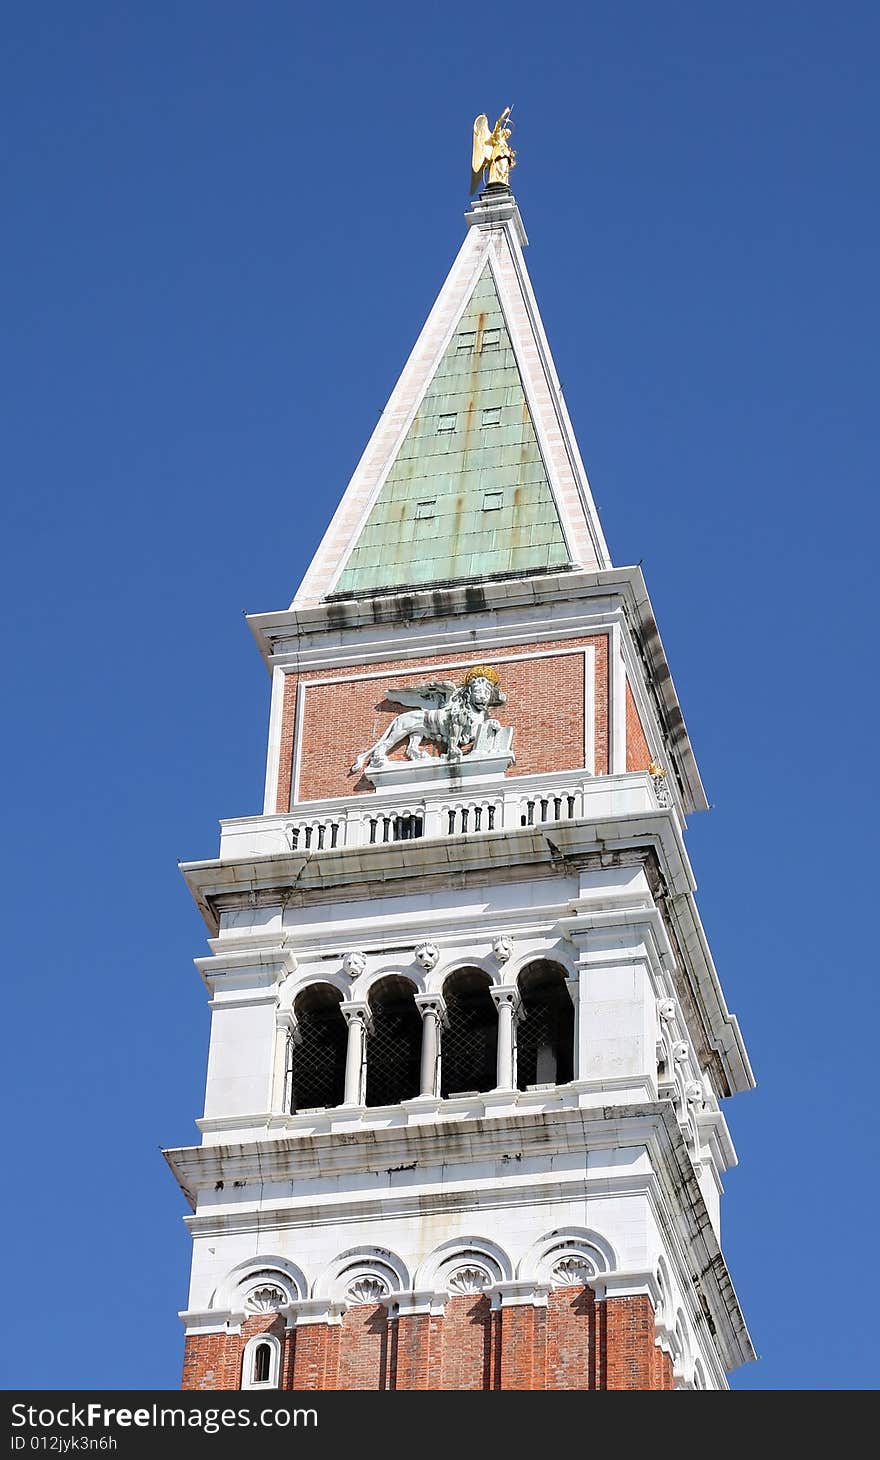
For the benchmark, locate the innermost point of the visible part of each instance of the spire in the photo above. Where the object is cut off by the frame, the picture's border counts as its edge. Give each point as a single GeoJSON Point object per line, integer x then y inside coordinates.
{"type": "Point", "coordinates": [473, 470]}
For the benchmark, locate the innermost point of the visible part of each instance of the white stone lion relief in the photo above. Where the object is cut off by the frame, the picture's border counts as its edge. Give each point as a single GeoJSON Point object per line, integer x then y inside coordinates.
{"type": "Point", "coordinates": [449, 716]}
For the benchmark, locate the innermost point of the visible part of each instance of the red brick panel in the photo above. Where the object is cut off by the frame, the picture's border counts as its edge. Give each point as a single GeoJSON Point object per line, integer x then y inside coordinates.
{"type": "Point", "coordinates": [574, 1343]}
{"type": "Point", "coordinates": [629, 1344]}
{"type": "Point", "coordinates": [315, 1356]}
{"type": "Point", "coordinates": [412, 1369]}
{"type": "Point", "coordinates": [364, 1348]}
{"type": "Point", "coordinates": [288, 734]}
{"type": "Point", "coordinates": [638, 756]}
{"type": "Point", "coordinates": [571, 1339]}
{"type": "Point", "coordinates": [523, 1347]}
{"type": "Point", "coordinates": [545, 707]}
{"type": "Point", "coordinates": [466, 1329]}
{"type": "Point", "coordinates": [213, 1360]}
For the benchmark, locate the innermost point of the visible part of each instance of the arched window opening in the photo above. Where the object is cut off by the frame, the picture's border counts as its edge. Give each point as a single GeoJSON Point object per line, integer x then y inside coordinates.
{"type": "Point", "coordinates": [395, 1044]}
{"type": "Point", "coordinates": [262, 1363]}
{"type": "Point", "coordinates": [468, 1047]}
{"type": "Point", "coordinates": [317, 1077]}
{"type": "Point", "coordinates": [545, 1035]}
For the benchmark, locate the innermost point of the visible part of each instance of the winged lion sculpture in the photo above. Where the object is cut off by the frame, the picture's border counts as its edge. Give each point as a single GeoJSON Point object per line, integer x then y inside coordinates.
{"type": "Point", "coordinates": [442, 712]}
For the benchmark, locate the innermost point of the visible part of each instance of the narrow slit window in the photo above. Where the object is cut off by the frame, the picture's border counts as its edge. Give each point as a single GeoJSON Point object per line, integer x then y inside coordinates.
{"type": "Point", "coordinates": [492, 416]}
{"type": "Point", "coordinates": [491, 339]}
{"type": "Point", "coordinates": [447, 423]}
{"type": "Point", "coordinates": [425, 510]}
{"type": "Point", "coordinates": [493, 501]}
{"type": "Point", "coordinates": [262, 1363]}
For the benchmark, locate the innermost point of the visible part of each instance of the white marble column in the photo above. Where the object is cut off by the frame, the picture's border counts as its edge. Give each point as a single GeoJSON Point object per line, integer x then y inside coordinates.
{"type": "Point", "coordinates": [573, 987]}
{"type": "Point", "coordinates": [432, 1009]}
{"type": "Point", "coordinates": [288, 1036]}
{"type": "Point", "coordinates": [507, 1001]}
{"type": "Point", "coordinates": [357, 1017]}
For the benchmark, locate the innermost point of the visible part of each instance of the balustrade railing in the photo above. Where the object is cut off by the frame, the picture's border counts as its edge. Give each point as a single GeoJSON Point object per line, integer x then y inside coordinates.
{"type": "Point", "coordinates": [527, 801]}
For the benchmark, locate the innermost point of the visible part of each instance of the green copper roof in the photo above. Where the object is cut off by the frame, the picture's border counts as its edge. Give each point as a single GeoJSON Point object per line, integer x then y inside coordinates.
{"type": "Point", "coordinates": [468, 493]}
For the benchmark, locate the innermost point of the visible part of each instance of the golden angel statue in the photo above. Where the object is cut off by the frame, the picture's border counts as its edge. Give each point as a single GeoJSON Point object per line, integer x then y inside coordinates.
{"type": "Point", "coordinates": [492, 150]}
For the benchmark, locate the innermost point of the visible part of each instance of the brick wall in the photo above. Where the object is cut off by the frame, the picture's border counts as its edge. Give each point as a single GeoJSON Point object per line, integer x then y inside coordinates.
{"type": "Point", "coordinates": [545, 707]}
{"type": "Point", "coordinates": [638, 756]}
{"type": "Point", "coordinates": [573, 1343]}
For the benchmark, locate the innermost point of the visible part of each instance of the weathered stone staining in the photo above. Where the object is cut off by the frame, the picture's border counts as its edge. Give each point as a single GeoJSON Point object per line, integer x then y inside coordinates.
{"type": "Point", "coordinates": [463, 1122]}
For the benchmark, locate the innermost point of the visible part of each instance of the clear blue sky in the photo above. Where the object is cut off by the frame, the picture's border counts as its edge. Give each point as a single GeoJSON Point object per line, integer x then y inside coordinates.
{"type": "Point", "coordinates": [224, 225]}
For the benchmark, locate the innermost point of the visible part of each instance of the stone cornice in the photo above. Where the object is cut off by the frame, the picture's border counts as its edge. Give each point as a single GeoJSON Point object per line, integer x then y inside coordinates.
{"type": "Point", "coordinates": [367, 871]}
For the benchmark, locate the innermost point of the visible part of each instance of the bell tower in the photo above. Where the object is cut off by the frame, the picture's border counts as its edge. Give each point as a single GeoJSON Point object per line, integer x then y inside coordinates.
{"type": "Point", "coordinates": [463, 1122]}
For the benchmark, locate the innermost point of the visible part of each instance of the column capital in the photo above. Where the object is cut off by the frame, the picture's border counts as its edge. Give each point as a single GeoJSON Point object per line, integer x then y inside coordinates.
{"type": "Point", "coordinates": [431, 1004]}
{"type": "Point", "coordinates": [357, 1011]}
{"type": "Point", "coordinates": [507, 995]}
{"type": "Point", "coordinates": [286, 1020]}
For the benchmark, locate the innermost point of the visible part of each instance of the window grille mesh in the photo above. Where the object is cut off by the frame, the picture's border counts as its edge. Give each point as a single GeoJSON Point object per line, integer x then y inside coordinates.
{"type": "Point", "coordinates": [318, 1059]}
{"type": "Point", "coordinates": [394, 1048]}
{"type": "Point", "coordinates": [545, 1033]}
{"type": "Point", "coordinates": [469, 1043]}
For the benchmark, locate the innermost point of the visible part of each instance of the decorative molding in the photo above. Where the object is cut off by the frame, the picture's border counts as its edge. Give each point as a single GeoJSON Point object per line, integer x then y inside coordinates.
{"type": "Point", "coordinates": [368, 1289]}
{"type": "Point", "coordinates": [573, 1271]}
{"type": "Point", "coordinates": [363, 1275]}
{"type": "Point", "coordinates": [266, 1299]}
{"type": "Point", "coordinates": [278, 1280]}
{"type": "Point", "coordinates": [559, 1257]}
{"type": "Point", "coordinates": [464, 1265]}
{"type": "Point", "coordinates": [468, 1279]}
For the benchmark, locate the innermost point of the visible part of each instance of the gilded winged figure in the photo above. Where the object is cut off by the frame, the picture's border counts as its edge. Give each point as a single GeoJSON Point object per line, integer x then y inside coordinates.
{"type": "Point", "coordinates": [492, 150]}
